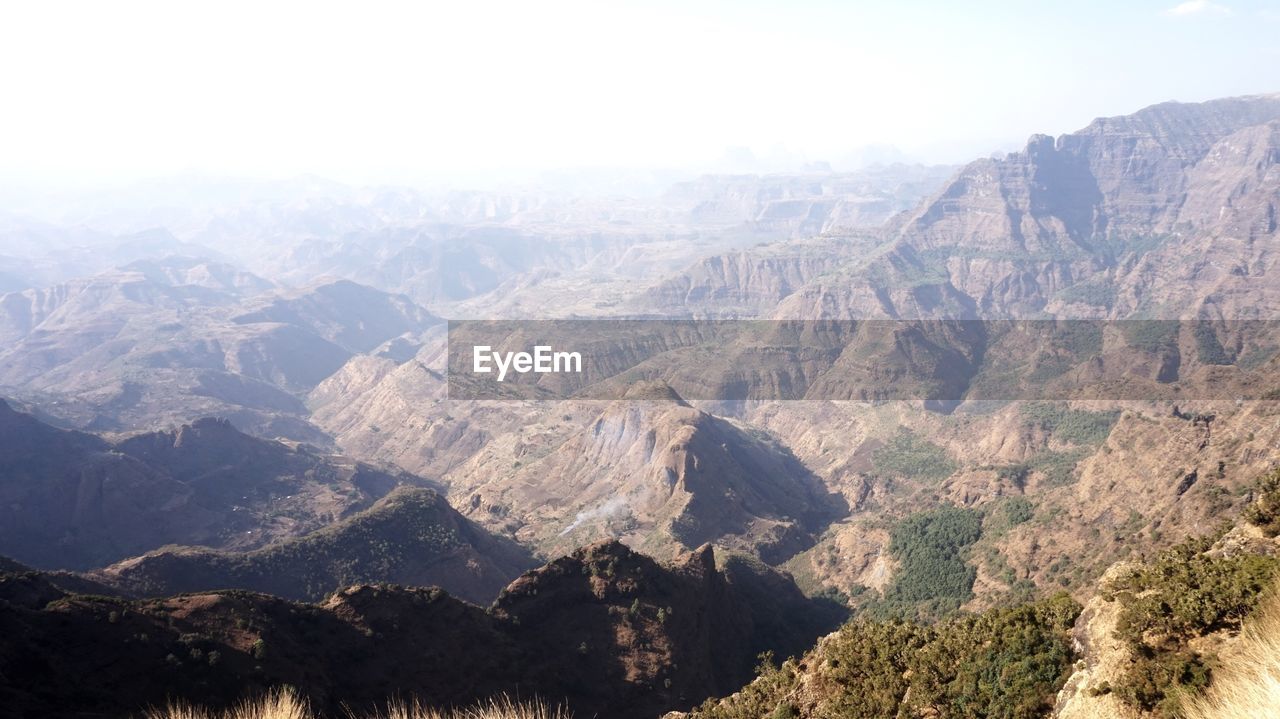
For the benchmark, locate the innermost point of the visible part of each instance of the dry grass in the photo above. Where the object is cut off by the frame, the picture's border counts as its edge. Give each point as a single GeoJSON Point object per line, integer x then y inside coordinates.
{"type": "Point", "coordinates": [503, 708]}
{"type": "Point", "coordinates": [1249, 686]}
{"type": "Point", "coordinates": [285, 704]}
{"type": "Point", "coordinates": [278, 704]}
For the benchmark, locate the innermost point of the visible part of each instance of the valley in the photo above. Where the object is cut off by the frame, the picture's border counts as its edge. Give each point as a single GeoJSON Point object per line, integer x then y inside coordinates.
{"type": "Point", "coordinates": [243, 445]}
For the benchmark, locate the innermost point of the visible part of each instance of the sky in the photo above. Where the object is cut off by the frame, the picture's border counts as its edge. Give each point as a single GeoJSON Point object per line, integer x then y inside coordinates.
{"type": "Point", "coordinates": [418, 91]}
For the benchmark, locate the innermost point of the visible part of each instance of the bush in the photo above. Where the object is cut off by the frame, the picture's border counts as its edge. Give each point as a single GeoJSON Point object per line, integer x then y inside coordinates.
{"type": "Point", "coordinates": [1007, 515]}
{"type": "Point", "coordinates": [929, 547]}
{"type": "Point", "coordinates": [1003, 664]}
{"type": "Point", "coordinates": [1264, 513]}
{"type": "Point", "coordinates": [1151, 335]}
{"type": "Point", "coordinates": [1181, 595]}
{"type": "Point", "coordinates": [907, 455]}
{"type": "Point", "coordinates": [1208, 349]}
{"type": "Point", "coordinates": [1076, 426]}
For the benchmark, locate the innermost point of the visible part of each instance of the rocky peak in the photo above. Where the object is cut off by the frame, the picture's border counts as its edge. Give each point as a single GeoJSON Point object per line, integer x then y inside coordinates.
{"type": "Point", "coordinates": [656, 390]}
{"type": "Point", "coordinates": [206, 428]}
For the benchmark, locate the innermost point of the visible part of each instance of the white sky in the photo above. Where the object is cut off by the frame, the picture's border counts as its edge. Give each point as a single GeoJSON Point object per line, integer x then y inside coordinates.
{"type": "Point", "coordinates": [375, 91]}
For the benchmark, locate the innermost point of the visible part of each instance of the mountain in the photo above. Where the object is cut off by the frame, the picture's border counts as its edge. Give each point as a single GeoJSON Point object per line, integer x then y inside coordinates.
{"type": "Point", "coordinates": [474, 253]}
{"type": "Point", "coordinates": [966, 535]}
{"type": "Point", "coordinates": [410, 537]}
{"type": "Point", "coordinates": [160, 343]}
{"type": "Point", "coordinates": [1146, 646]}
{"type": "Point", "coordinates": [656, 472]}
{"type": "Point", "coordinates": [355, 317]}
{"type": "Point", "coordinates": [609, 631]}
{"type": "Point", "coordinates": [75, 500]}
{"type": "Point", "coordinates": [1025, 235]}
{"type": "Point", "coordinates": [750, 282]}
{"type": "Point", "coordinates": [1006, 237]}
{"type": "Point", "coordinates": [651, 469]}
{"type": "Point", "coordinates": [1061, 491]}
{"type": "Point", "coordinates": [41, 254]}
{"type": "Point", "coordinates": [803, 205]}
{"type": "Point", "coordinates": [1085, 225]}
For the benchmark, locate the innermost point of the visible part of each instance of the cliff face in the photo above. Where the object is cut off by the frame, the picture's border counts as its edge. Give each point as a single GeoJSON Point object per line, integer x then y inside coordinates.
{"type": "Point", "coordinates": [749, 282]}
{"type": "Point", "coordinates": [1220, 257]}
{"type": "Point", "coordinates": [1097, 223]}
{"type": "Point", "coordinates": [1011, 236]}
{"type": "Point", "coordinates": [1119, 174]}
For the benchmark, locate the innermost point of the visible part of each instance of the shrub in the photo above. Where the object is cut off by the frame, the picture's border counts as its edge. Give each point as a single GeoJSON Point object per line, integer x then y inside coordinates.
{"type": "Point", "coordinates": [1075, 426]}
{"type": "Point", "coordinates": [1249, 686]}
{"type": "Point", "coordinates": [908, 455]}
{"type": "Point", "coordinates": [1181, 595]}
{"type": "Point", "coordinates": [1264, 513]}
{"type": "Point", "coordinates": [1004, 664]}
{"type": "Point", "coordinates": [929, 547]}
{"type": "Point", "coordinates": [1007, 515]}
{"type": "Point", "coordinates": [1208, 349]}
{"type": "Point", "coordinates": [1151, 335]}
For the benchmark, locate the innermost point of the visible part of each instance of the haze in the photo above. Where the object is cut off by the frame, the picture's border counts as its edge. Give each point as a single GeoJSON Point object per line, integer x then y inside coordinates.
{"type": "Point", "coordinates": [470, 92]}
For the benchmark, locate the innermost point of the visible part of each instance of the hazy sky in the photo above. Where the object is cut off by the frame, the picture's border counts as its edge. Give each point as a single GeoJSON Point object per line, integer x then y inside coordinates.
{"type": "Point", "coordinates": [371, 91]}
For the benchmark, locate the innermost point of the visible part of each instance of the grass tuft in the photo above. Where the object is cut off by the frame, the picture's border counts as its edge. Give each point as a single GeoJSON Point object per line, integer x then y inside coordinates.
{"type": "Point", "coordinates": [1249, 686]}
{"type": "Point", "coordinates": [286, 704]}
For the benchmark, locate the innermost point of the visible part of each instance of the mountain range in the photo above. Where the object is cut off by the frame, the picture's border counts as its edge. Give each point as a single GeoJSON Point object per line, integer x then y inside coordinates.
{"type": "Point", "coordinates": [226, 471]}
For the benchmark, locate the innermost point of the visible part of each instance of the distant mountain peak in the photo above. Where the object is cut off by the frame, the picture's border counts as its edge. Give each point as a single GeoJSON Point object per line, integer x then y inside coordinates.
{"type": "Point", "coordinates": [654, 390]}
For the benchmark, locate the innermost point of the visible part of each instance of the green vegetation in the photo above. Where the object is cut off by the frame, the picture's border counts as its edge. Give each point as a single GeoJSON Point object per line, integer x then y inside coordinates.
{"type": "Point", "coordinates": [1058, 468]}
{"type": "Point", "coordinates": [1082, 428]}
{"type": "Point", "coordinates": [1076, 426]}
{"type": "Point", "coordinates": [908, 455]}
{"type": "Point", "coordinates": [407, 527]}
{"type": "Point", "coordinates": [1208, 349]}
{"type": "Point", "coordinates": [1008, 514]}
{"type": "Point", "coordinates": [933, 578]}
{"type": "Point", "coordinates": [1151, 335]}
{"type": "Point", "coordinates": [1095, 292]}
{"type": "Point", "coordinates": [1183, 594]}
{"type": "Point", "coordinates": [1264, 513]}
{"type": "Point", "coordinates": [1256, 356]}
{"type": "Point", "coordinates": [895, 271]}
{"type": "Point", "coordinates": [1005, 663]}
{"type": "Point", "coordinates": [1117, 246]}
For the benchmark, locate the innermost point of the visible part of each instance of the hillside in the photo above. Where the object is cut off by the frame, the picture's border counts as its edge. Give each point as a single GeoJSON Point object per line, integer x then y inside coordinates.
{"type": "Point", "coordinates": [1145, 647]}
{"type": "Point", "coordinates": [1085, 225]}
{"type": "Point", "coordinates": [964, 424]}
{"type": "Point", "coordinates": [410, 537]}
{"type": "Point", "coordinates": [1023, 235]}
{"type": "Point", "coordinates": [609, 631]}
{"type": "Point", "coordinates": [657, 473]}
{"type": "Point", "coordinates": [73, 500]}
{"type": "Point", "coordinates": [164, 342]}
